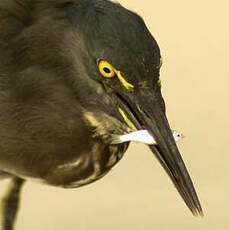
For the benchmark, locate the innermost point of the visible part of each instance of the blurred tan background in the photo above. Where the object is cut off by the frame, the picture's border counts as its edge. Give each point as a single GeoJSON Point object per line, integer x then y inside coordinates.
{"type": "Point", "coordinates": [194, 41]}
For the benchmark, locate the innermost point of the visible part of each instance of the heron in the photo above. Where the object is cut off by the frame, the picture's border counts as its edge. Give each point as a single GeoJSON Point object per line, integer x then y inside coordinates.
{"type": "Point", "coordinates": [74, 73]}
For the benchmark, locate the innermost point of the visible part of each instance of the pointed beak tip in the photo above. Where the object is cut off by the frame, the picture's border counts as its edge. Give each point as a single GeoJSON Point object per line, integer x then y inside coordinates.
{"type": "Point", "coordinates": [198, 213]}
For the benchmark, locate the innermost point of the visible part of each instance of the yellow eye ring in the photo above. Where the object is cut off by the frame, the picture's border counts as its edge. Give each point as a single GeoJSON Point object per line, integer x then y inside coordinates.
{"type": "Point", "coordinates": [106, 69]}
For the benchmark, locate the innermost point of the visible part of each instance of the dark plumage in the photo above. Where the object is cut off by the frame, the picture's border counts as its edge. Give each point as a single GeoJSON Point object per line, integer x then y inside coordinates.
{"type": "Point", "coordinates": [58, 113]}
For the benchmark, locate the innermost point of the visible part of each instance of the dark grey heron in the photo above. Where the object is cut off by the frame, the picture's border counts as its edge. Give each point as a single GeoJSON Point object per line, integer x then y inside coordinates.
{"type": "Point", "coordinates": [74, 74]}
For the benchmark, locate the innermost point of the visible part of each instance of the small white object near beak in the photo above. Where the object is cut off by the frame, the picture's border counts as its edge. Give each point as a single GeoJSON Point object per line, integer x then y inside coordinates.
{"type": "Point", "coordinates": [142, 136]}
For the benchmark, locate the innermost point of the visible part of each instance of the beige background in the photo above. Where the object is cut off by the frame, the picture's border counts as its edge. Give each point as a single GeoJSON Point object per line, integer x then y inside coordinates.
{"type": "Point", "coordinates": [193, 36]}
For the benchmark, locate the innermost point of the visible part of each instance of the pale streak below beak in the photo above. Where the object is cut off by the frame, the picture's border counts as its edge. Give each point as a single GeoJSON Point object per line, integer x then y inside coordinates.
{"type": "Point", "coordinates": [142, 136]}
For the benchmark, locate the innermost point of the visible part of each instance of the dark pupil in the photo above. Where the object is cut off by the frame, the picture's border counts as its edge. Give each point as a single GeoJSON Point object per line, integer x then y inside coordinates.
{"type": "Point", "coordinates": [106, 70]}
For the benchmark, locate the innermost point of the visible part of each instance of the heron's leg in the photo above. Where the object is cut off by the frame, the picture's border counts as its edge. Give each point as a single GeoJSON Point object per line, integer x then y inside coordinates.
{"type": "Point", "coordinates": [10, 204]}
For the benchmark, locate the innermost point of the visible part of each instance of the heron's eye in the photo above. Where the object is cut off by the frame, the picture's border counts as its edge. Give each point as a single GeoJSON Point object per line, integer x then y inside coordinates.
{"type": "Point", "coordinates": [106, 69]}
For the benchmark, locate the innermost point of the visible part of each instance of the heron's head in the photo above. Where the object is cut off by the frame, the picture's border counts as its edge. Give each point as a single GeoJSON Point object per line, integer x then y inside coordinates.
{"type": "Point", "coordinates": [118, 62]}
